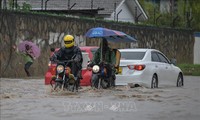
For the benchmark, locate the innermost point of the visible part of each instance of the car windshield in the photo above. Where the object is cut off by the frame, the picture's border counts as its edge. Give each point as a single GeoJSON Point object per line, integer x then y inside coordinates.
{"type": "Point", "coordinates": [93, 50]}
{"type": "Point", "coordinates": [85, 59]}
{"type": "Point", "coordinates": [132, 55]}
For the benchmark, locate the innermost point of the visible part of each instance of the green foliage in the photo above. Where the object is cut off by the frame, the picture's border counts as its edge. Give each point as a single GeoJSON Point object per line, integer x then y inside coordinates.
{"type": "Point", "coordinates": [26, 7]}
{"type": "Point", "coordinates": [186, 16]}
{"type": "Point", "coordinates": [10, 4]}
{"type": "Point", "coordinates": [18, 7]}
{"type": "Point", "coordinates": [190, 69]}
{"type": "Point", "coordinates": [194, 8]}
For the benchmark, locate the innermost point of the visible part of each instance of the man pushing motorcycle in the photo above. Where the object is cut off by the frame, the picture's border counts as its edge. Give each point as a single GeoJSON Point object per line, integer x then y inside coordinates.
{"type": "Point", "coordinates": [70, 52]}
{"type": "Point", "coordinates": [104, 56]}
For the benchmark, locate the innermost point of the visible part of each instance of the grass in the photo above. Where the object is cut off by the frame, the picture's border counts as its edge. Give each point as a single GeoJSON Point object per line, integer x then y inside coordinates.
{"type": "Point", "coordinates": [190, 69]}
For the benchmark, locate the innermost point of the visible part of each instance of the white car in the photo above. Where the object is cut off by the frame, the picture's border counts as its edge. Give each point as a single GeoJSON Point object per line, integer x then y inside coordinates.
{"type": "Point", "coordinates": [148, 67]}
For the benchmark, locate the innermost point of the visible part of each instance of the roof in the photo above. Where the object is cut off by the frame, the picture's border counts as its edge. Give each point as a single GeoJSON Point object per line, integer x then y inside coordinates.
{"type": "Point", "coordinates": [136, 50]}
{"type": "Point", "coordinates": [108, 5]}
{"type": "Point", "coordinates": [88, 47]}
{"type": "Point", "coordinates": [137, 9]}
{"type": "Point", "coordinates": [86, 7]}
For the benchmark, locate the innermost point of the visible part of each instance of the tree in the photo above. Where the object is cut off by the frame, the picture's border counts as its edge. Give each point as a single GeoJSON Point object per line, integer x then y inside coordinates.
{"type": "Point", "coordinates": [0, 4]}
{"type": "Point", "coordinates": [26, 7]}
{"type": "Point", "coordinates": [186, 16]}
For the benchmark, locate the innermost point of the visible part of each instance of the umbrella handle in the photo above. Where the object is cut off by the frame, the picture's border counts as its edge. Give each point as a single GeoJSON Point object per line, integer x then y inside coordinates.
{"type": "Point", "coordinates": [101, 51]}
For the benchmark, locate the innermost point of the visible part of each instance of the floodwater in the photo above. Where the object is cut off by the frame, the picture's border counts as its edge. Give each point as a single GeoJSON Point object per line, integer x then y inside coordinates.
{"type": "Point", "coordinates": [30, 99]}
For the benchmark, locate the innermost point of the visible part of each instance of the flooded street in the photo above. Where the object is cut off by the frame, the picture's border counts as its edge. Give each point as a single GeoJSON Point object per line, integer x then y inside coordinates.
{"type": "Point", "coordinates": [30, 99]}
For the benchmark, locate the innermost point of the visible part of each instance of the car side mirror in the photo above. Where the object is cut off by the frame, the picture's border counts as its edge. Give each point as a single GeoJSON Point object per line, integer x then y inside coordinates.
{"type": "Point", "coordinates": [173, 61]}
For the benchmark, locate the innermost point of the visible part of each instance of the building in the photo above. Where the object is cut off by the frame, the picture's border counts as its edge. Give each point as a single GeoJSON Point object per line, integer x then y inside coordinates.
{"type": "Point", "coordinates": [117, 10]}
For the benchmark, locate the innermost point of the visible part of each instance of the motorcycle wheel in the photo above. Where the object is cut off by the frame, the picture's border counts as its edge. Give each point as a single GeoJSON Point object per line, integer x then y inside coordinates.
{"type": "Point", "coordinates": [57, 85]}
{"type": "Point", "coordinates": [94, 84]}
{"type": "Point", "coordinates": [104, 84]}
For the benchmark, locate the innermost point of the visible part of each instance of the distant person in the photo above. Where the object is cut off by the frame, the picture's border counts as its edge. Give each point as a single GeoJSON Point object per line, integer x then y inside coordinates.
{"type": "Point", "coordinates": [27, 58]}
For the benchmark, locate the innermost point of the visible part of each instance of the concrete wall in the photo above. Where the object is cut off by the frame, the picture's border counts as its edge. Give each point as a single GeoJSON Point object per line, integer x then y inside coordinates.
{"type": "Point", "coordinates": [48, 31]}
{"type": "Point", "coordinates": [197, 48]}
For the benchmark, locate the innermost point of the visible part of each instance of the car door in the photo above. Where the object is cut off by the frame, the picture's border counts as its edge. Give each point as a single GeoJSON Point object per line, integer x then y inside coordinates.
{"type": "Point", "coordinates": [167, 72]}
{"type": "Point", "coordinates": [158, 66]}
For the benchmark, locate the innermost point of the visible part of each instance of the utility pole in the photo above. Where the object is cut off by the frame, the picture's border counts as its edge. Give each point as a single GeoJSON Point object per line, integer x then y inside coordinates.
{"type": "Point", "coordinates": [136, 19]}
{"type": "Point", "coordinates": [15, 4]}
{"type": "Point", "coordinates": [115, 4]}
{"type": "Point", "coordinates": [4, 4]}
{"type": "Point", "coordinates": [118, 14]}
{"type": "Point", "coordinates": [42, 1]}
{"type": "Point", "coordinates": [154, 12]}
{"type": "Point", "coordinates": [0, 4]}
{"type": "Point", "coordinates": [46, 4]}
{"type": "Point", "coordinates": [91, 4]}
{"type": "Point", "coordinates": [68, 4]}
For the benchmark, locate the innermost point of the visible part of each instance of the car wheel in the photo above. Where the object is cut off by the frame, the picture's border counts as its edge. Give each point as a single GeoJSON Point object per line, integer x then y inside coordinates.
{"type": "Point", "coordinates": [154, 82]}
{"type": "Point", "coordinates": [180, 82]}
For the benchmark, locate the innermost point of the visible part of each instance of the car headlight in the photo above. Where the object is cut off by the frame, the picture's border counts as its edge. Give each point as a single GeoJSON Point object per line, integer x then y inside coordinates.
{"type": "Point", "coordinates": [60, 68]}
{"type": "Point", "coordinates": [95, 68]}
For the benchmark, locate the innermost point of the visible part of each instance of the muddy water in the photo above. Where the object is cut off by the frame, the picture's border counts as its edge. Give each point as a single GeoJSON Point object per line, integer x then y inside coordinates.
{"type": "Point", "coordinates": [24, 99]}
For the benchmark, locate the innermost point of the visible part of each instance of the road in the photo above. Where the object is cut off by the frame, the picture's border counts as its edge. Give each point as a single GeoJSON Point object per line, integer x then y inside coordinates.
{"type": "Point", "coordinates": [30, 99]}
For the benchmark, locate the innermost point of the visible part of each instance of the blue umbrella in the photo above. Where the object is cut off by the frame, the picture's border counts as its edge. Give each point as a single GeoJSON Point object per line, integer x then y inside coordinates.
{"type": "Point", "coordinates": [110, 35]}
{"type": "Point", "coordinates": [122, 38]}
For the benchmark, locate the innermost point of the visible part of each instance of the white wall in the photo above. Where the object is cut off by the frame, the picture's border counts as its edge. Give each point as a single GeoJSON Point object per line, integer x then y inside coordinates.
{"type": "Point", "coordinates": [125, 15]}
{"type": "Point", "coordinates": [197, 48]}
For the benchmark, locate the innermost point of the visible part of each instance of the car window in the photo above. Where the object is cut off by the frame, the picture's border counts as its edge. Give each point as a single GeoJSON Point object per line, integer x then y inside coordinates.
{"type": "Point", "coordinates": [132, 55]}
{"type": "Point", "coordinates": [83, 50]}
{"type": "Point", "coordinates": [163, 58]}
{"type": "Point", "coordinates": [154, 57]}
{"type": "Point", "coordinates": [85, 59]}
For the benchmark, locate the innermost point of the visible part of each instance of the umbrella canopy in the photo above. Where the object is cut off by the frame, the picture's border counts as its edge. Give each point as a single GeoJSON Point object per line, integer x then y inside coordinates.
{"type": "Point", "coordinates": [34, 50]}
{"type": "Point", "coordinates": [110, 35]}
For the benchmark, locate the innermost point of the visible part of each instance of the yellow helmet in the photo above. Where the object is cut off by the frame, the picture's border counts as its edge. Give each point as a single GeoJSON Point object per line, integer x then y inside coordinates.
{"type": "Point", "coordinates": [68, 41]}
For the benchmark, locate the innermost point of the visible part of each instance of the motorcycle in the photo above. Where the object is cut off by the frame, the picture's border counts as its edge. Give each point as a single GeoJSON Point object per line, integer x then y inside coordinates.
{"type": "Point", "coordinates": [106, 76]}
{"type": "Point", "coordinates": [64, 79]}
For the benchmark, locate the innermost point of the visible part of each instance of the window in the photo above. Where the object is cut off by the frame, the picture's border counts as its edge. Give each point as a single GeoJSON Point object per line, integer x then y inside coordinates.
{"type": "Point", "coordinates": [163, 58]}
{"type": "Point", "coordinates": [132, 55]}
{"type": "Point", "coordinates": [83, 51]}
{"type": "Point", "coordinates": [85, 59]}
{"type": "Point", "coordinates": [154, 57]}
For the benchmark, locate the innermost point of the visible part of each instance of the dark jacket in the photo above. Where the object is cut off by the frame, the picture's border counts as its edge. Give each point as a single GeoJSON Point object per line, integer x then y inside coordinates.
{"type": "Point", "coordinates": [108, 56]}
{"type": "Point", "coordinates": [67, 53]}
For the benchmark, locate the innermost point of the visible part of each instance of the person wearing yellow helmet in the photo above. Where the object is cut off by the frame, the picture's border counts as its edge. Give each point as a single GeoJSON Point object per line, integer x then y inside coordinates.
{"type": "Point", "coordinates": [68, 41]}
{"type": "Point", "coordinates": [68, 52]}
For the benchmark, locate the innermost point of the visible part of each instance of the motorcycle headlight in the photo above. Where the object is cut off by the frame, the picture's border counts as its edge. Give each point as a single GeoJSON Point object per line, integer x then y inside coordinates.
{"type": "Point", "coordinates": [49, 63]}
{"type": "Point", "coordinates": [60, 68]}
{"type": "Point", "coordinates": [95, 68]}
